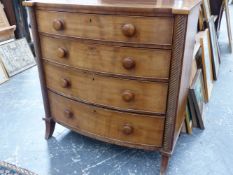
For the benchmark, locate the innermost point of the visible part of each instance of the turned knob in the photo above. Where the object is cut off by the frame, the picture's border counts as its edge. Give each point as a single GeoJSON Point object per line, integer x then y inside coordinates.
{"type": "Point", "coordinates": [61, 52]}
{"type": "Point", "coordinates": [127, 129]}
{"type": "Point", "coordinates": [65, 83]}
{"type": "Point", "coordinates": [68, 113]}
{"type": "Point", "coordinates": [128, 63]}
{"type": "Point", "coordinates": [58, 24]}
{"type": "Point", "coordinates": [128, 96]}
{"type": "Point", "coordinates": [128, 30]}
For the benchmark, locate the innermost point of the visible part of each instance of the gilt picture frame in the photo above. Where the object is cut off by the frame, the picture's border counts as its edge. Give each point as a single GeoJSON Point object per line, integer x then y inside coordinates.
{"type": "Point", "coordinates": [207, 65]}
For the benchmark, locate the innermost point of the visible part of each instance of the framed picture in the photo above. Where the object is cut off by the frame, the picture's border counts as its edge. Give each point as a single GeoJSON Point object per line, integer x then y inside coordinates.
{"type": "Point", "coordinates": [183, 128]}
{"type": "Point", "coordinates": [215, 51]}
{"type": "Point", "coordinates": [201, 20]}
{"type": "Point", "coordinates": [6, 31]}
{"type": "Point", "coordinates": [197, 97]}
{"type": "Point", "coordinates": [207, 66]}
{"type": "Point", "coordinates": [3, 19]}
{"type": "Point", "coordinates": [193, 71]}
{"type": "Point", "coordinates": [192, 112]}
{"type": "Point", "coordinates": [3, 74]}
{"type": "Point", "coordinates": [188, 120]}
{"type": "Point", "coordinates": [194, 63]}
{"type": "Point", "coordinates": [228, 24]}
{"type": "Point", "coordinates": [217, 9]}
{"type": "Point", "coordinates": [207, 11]}
{"type": "Point", "coordinates": [16, 56]}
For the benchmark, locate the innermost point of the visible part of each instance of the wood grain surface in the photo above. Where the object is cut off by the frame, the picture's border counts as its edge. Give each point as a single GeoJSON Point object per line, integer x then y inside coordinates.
{"type": "Point", "coordinates": [107, 123]}
{"type": "Point", "coordinates": [148, 96]}
{"type": "Point", "coordinates": [149, 63]}
{"type": "Point", "coordinates": [148, 30]}
{"type": "Point", "coordinates": [145, 7]}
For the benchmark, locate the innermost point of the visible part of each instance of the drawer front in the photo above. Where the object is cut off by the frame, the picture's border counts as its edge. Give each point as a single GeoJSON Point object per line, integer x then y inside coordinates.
{"type": "Point", "coordinates": [126, 127]}
{"type": "Point", "coordinates": [140, 30]}
{"type": "Point", "coordinates": [112, 92]}
{"type": "Point", "coordinates": [135, 62]}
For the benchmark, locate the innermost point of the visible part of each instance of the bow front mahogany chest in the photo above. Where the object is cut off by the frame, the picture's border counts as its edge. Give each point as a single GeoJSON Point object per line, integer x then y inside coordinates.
{"type": "Point", "coordinates": [116, 70]}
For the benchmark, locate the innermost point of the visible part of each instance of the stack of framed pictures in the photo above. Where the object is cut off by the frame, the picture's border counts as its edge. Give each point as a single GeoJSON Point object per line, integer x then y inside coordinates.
{"type": "Point", "coordinates": [206, 69]}
{"type": "Point", "coordinates": [206, 63]}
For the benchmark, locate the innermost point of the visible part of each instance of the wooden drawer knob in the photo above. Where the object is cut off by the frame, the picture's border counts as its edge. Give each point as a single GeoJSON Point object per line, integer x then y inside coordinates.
{"type": "Point", "coordinates": [128, 63]}
{"type": "Point", "coordinates": [68, 113]}
{"type": "Point", "coordinates": [61, 52]}
{"type": "Point", "coordinates": [128, 30]}
{"type": "Point", "coordinates": [128, 96]}
{"type": "Point", "coordinates": [127, 129]}
{"type": "Point", "coordinates": [58, 24]}
{"type": "Point", "coordinates": [65, 83]}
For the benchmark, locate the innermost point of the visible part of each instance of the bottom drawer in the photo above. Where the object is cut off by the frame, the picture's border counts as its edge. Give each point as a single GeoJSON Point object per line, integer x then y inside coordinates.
{"type": "Point", "coordinates": [113, 126]}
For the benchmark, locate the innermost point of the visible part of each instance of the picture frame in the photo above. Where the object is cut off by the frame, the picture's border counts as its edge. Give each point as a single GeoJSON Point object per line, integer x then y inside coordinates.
{"type": "Point", "coordinates": [220, 18]}
{"type": "Point", "coordinates": [6, 31]}
{"type": "Point", "coordinates": [207, 66]}
{"type": "Point", "coordinates": [188, 120]}
{"type": "Point", "coordinates": [207, 10]}
{"type": "Point", "coordinates": [183, 128]}
{"type": "Point", "coordinates": [193, 71]}
{"type": "Point", "coordinates": [16, 56]}
{"type": "Point", "coordinates": [192, 112]}
{"type": "Point", "coordinates": [196, 93]}
{"type": "Point", "coordinates": [201, 20]}
{"type": "Point", "coordinates": [228, 22]}
{"type": "Point", "coordinates": [217, 9]}
{"type": "Point", "coordinates": [194, 63]}
{"type": "Point", "coordinates": [215, 50]}
{"type": "Point", "coordinates": [3, 74]}
{"type": "Point", "coordinates": [3, 19]}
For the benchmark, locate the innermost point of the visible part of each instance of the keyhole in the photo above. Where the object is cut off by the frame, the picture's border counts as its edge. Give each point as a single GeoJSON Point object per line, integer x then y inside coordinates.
{"type": "Point", "coordinates": [93, 79]}
{"type": "Point", "coordinates": [90, 20]}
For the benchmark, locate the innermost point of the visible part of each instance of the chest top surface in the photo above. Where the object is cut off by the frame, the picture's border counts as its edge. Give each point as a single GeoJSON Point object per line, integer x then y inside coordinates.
{"type": "Point", "coordinates": [162, 6]}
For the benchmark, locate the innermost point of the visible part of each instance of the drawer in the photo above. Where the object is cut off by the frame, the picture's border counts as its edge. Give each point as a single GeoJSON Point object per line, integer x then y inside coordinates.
{"type": "Point", "coordinates": [135, 62]}
{"type": "Point", "coordinates": [103, 123]}
{"type": "Point", "coordinates": [131, 29]}
{"type": "Point", "coordinates": [118, 93]}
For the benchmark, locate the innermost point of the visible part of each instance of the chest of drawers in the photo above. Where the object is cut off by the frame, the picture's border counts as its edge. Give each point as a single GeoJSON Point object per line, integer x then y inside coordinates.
{"type": "Point", "coordinates": [116, 70]}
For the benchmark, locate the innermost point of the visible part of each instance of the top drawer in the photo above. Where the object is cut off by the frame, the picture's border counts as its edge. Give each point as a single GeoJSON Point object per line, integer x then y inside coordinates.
{"type": "Point", "coordinates": [130, 29]}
